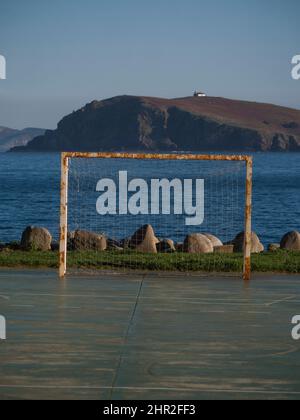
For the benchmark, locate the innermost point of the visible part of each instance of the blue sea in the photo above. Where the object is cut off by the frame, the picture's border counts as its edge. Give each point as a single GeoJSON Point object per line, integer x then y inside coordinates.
{"type": "Point", "coordinates": [30, 184]}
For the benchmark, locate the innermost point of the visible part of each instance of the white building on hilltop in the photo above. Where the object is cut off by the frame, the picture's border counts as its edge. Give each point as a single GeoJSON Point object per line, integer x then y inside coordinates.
{"type": "Point", "coordinates": [199, 94]}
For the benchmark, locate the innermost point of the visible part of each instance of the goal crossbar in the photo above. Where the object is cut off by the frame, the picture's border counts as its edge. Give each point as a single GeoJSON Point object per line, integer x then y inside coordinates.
{"type": "Point", "coordinates": [65, 156]}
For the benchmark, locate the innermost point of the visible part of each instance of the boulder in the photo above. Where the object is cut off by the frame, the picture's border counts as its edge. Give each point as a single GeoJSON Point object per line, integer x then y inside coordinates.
{"type": "Point", "coordinates": [238, 242]}
{"type": "Point", "coordinates": [6, 250]}
{"type": "Point", "coordinates": [84, 240]}
{"type": "Point", "coordinates": [197, 243]}
{"type": "Point", "coordinates": [166, 245]}
{"type": "Point", "coordinates": [144, 240]}
{"type": "Point", "coordinates": [214, 240]}
{"type": "Point", "coordinates": [114, 245]}
{"type": "Point", "coordinates": [15, 246]}
{"type": "Point", "coordinates": [273, 247]}
{"type": "Point", "coordinates": [224, 249]}
{"type": "Point", "coordinates": [291, 241]}
{"type": "Point", "coordinates": [36, 238]}
{"type": "Point", "coordinates": [124, 243]}
{"type": "Point", "coordinates": [54, 246]}
{"type": "Point", "coordinates": [179, 247]}
{"type": "Point", "coordinates": [70, 239]}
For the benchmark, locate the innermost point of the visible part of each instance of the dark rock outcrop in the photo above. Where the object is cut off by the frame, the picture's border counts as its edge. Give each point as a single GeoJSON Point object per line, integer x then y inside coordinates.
{"type": "Point", "coordinates": [127, 123]}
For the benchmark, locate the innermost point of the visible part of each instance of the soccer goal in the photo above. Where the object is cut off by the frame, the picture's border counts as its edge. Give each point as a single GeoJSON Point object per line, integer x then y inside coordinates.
{"type": "Point", "coordinates": [184, 212]}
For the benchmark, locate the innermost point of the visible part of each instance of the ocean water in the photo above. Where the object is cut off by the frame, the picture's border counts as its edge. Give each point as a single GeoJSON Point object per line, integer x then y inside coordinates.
{"type": "Point", "coordinates": [29, 195]}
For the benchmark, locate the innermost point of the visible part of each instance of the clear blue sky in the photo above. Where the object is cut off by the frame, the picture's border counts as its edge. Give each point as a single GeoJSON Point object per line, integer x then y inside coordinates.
{"type": "Point", "coordinates": [62, 54]}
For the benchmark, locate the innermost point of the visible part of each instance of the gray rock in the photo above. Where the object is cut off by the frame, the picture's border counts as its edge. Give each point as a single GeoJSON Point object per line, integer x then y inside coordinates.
{"type": "Point", "coordinates": [224, 249]}
{"type": "Point", "coordinates": [36, 238]}
{"type": "Point", "coordinates": [15, 246]}
{"type": "Point", "coordinates": [125, 243]}
{"type": "Point", "coordinates": [114, 245]}
{"type": "Point", "coordinates": [70, 240]}
{"type": "Point", "coordinates": [179, 247]}
{"type": "Point", "coordinates": [54, 246]}
{"type": "Point", "coordinates": [84, 240]}
{"type": "Point", "coordinates": [144, 240]}
{"type": "Point", "coordinates": [197, 243]}
{"type": "Point", "coordinates": [213, 239]}
{"type": "Point", "coordinates": [291, 241]}
{"type": "Point", "coordinates": [256, 248]}
{"type": "Point", "coordinates": [166, 246]}
{"type": "Point", "coordinates": [273, 247]}
{"type": "Point", "coordinates": [6, 250]}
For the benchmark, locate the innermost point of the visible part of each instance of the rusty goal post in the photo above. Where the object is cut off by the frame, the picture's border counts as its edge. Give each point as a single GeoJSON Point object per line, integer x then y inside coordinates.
{"type": "Point", "coordinates": [66, 157]}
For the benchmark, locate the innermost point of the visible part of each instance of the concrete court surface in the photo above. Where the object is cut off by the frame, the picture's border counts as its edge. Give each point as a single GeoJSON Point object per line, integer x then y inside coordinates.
{"type": "Point", "coordinates": [148, 336]}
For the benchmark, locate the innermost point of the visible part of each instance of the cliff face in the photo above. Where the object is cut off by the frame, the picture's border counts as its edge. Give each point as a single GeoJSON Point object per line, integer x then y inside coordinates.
{"type": "Point", "coordinates": [140, 123]}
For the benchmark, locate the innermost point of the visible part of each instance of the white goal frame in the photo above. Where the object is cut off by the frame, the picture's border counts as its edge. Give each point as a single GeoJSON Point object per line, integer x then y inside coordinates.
{"type": "Point", "coordinates": [65, 156]}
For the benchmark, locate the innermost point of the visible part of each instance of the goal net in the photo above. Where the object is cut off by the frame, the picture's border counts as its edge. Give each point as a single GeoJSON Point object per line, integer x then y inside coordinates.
{"type": "Point", "coordinates": [155, 212]}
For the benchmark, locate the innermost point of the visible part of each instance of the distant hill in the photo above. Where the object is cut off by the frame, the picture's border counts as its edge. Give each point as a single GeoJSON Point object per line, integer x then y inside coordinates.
{"type": "Point", "coordinates": [10, 137]}
{"type": "Point", "coordinates": [144, 123]}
